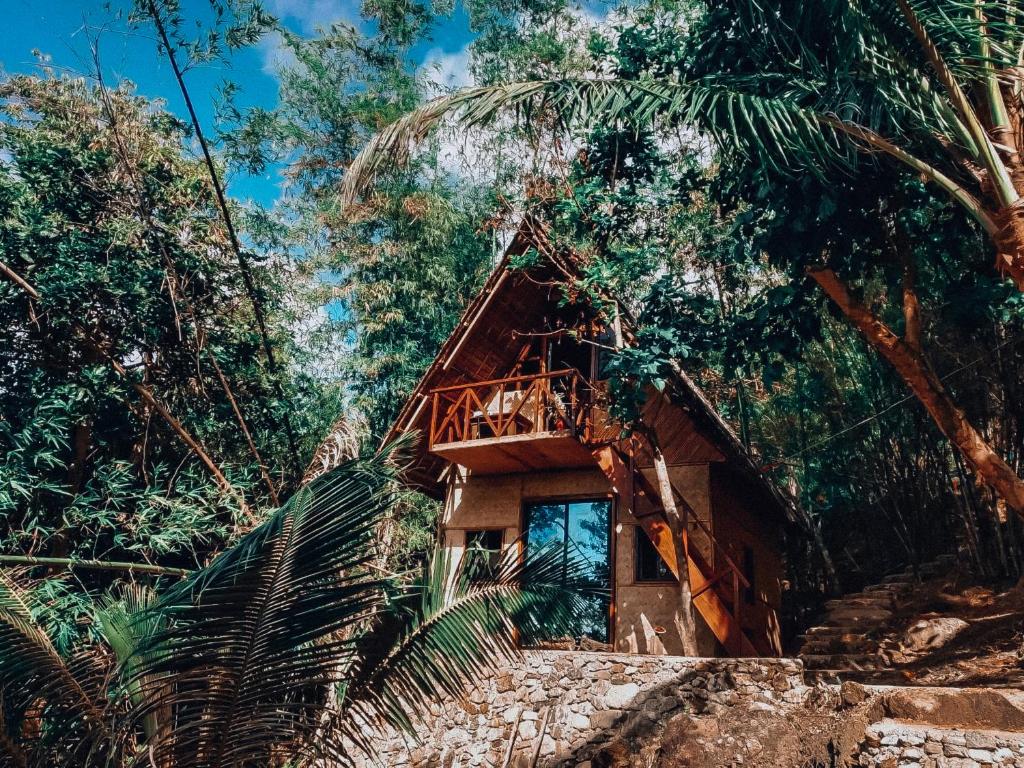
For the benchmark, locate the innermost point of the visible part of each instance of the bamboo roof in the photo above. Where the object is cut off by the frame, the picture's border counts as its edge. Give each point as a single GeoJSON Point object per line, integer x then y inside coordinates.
{"type": "Point", "coordinates": [488, 339]}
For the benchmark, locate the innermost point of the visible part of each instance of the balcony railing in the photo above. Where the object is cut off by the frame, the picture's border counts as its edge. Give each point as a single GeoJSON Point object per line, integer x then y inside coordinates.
{"type": "Point", "coordinates": [521, 405]}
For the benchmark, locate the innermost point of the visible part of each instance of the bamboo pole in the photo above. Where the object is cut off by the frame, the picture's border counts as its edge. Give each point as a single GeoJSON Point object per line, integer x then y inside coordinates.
{"type": "Point", "coordinates": [144, 206]}
{"type": "Point", "coordinates": [144, 393]}
{"type": "Point", "coordinates": [94, 565]}
{"type": "Point", "coordinates": [243, 262]}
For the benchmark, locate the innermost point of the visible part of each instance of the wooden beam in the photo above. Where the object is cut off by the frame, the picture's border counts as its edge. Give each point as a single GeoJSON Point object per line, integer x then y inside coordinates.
{"type": "Point", "coordinates": [645, 507]}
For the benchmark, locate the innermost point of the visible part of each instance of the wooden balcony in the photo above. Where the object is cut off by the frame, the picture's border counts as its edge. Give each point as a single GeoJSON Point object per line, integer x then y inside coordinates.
{"type": "Point", "coordinates": [518, 424]}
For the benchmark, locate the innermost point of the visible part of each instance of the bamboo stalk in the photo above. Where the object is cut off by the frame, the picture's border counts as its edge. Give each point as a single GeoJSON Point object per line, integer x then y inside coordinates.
{"type": "Point", "coordinates": [144, 393]}
{"type": "Point", "coordinates": [93, 565]}
{"type": "Point", "coordinates": [244, 427]}
{"type": "Point", "coordinates": [243, 262]}
{"type": "Point", "coordinates": [144, 206]}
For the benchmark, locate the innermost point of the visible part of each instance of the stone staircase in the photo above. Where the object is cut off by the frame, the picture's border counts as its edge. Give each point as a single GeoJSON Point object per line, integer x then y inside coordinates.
{"type": "Point", "coordinates": [852, 635]}
{"type": "Point", "coordinates": [945, 727]}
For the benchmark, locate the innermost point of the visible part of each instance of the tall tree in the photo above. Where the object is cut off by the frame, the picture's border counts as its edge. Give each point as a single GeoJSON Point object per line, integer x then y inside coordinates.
{"type": "Point", "coordinates": [131, 339]}
{"type": "Point", "coordinates": [931, 85]}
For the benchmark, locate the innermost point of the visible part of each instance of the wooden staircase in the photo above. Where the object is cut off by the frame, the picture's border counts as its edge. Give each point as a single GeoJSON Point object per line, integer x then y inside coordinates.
{"type": "Point", "coordinates": [716, 595]}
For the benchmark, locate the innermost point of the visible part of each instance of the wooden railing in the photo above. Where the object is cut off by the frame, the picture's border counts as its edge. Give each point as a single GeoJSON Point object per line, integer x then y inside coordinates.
{"type": "Point", "coordinates": [519, 405]}
{"type": "Point", "coordinates": [727, 583]}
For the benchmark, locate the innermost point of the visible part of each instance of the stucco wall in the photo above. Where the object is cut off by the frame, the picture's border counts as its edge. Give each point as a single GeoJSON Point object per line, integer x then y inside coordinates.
{"type": "Point", "coordinates": [644, 616]}
{"type": "Point", "coordinates": [568, 704]}
{"type": "Point", "coordinates": [644, 608]}
{"type": "Point", "coordinates": [738, 524]}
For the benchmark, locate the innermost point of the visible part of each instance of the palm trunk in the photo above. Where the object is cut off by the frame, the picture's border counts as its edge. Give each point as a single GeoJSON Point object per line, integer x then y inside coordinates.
{"type": "Point", "coordinates": [914, 369]}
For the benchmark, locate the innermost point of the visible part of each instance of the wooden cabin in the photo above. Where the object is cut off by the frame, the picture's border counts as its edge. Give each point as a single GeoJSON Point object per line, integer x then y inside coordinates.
{"type": "Point", "coordinates": [518, 445]}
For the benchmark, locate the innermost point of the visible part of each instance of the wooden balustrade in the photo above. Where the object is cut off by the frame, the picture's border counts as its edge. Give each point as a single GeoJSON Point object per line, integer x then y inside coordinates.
{"type": "Point", "coordinates": [558, 401]}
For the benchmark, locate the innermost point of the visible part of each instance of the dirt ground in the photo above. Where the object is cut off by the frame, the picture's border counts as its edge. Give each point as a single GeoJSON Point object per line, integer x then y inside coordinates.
{"type": "Point", "coordinates": [986, 652]}
{"type": "Point", "coordinates": [824, 732]}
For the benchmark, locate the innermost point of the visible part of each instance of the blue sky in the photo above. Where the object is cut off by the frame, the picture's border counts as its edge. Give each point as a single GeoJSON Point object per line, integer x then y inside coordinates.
{"type": "Point", "coordinates": [61, 29]}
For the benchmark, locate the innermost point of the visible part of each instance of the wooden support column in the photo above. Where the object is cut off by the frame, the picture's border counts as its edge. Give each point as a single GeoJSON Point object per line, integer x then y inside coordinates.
{"type": "Point", "coordinates": [643, 503]}
{"type": "Point", "coordinates": [684, 620]}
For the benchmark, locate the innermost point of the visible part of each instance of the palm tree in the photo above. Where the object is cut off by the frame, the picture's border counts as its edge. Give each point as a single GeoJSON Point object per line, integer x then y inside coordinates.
{"type": "Point", "coordinates": [289, 646]}
{"type": "Point", "coordinates": [934, 86]}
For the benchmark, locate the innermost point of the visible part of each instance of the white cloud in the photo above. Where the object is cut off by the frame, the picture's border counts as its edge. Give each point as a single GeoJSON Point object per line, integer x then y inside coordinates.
{"type": "Point", "coordinates": [275, 54]}
{"type": "Point", "coordinates": [310, 14]}
{"type": "Point", "coordinates": [443, 71]}
{"type": "Point", "coordinates": [305, 17]}
{"type": "Point", "coordinates": [447, 70]}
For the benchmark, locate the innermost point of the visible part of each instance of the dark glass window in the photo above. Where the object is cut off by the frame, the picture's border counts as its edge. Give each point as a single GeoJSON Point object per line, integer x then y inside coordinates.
{"type": "Point", "coordinates": [582, 530]}
{"type": "Point", "coordinates": [484, 546]}
{"type": "Point", "coordinates": [649, 565]}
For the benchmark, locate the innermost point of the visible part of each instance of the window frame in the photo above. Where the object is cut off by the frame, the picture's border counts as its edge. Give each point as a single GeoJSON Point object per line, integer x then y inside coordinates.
{"type": "Point", "coordinates": [581, 498]}
{"type": "Point", "coordinates": [496, 554]}
{"type": "Point", "coordinates": [640, 535]}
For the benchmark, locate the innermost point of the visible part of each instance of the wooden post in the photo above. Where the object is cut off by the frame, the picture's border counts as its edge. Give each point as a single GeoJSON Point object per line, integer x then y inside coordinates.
{"type": "Point", "coordinates": [433, 420]}
{"type": "Point", "coordinates": [684, 621]}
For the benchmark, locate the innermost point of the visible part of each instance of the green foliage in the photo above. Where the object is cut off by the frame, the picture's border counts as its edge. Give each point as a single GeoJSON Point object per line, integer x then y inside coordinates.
{"type": "Point", "coordinates": [104, 213]}
{"type": "Point", "coordinates": [285, 647]}
{"type": "Point", "coordinates": [792, 101]}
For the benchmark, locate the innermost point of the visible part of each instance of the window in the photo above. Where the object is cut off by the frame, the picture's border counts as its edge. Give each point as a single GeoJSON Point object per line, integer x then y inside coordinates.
{"type": "Point", "coordinates": [581, 530]}
{"type": "Point", "coordinates": [750, 593]}
{"type": "Point", "coordinates": [649, 565]}
{"type": "Point", "coordinates": [484, 547]}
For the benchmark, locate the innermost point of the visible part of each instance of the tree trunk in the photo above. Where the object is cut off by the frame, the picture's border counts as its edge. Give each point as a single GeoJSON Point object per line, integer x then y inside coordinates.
{"type": "Point", "coordinates": [914, 369]}
{"type": "Point", "coordinates": [685, 623]}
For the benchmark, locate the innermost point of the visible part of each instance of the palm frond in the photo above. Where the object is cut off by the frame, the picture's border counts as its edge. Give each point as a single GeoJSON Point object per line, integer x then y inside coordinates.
{"type": "Point", "coordinates": [253, 641]}
{"type": "Point", "coordinates": [459, 622]}
{"type": "Point", "coordinates": [54, 710]}
{"type": "Point", "coordinates": [776, 130]}
{"type": "Point", "coordinates": [126, 623]}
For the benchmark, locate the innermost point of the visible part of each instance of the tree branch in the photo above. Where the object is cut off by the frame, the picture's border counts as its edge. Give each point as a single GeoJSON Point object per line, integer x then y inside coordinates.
{"type": "Point", "coordinates": [916, 372]}
{"type": "Point", "coordinates": [240, 257]}
{"type": "Point", "coordinates": [94, 565]}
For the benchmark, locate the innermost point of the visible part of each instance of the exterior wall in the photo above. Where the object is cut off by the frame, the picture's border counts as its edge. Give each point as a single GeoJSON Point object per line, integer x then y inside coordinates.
{"type": "Point", "coordinates": [496, 501]}
{"type": "Point", "coordinates": [644, 613]}
{"type": "Point", "coordinates": [740, 523]}
{"type": "Point", "coordinates": [569, 704]}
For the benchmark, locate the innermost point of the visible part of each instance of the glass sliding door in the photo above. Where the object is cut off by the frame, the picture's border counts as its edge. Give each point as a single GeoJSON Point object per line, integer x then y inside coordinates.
{"type": "Point", "coordinates": [582, 529]}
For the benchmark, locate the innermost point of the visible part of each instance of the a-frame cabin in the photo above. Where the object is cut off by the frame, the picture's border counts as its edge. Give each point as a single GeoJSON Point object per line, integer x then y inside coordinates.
{"type": "Point", "coordinates": [518, 445]}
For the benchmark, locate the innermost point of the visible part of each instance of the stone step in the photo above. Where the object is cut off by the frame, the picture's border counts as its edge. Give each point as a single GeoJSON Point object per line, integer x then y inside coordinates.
{"type": "Point", "coordinates": [961, 708]}
{"type": "Point", "coordinates": [839, 644]}
{"type": "Point", "coordinates": [827, 630]}
{"type": "Point", "coordinates": [900, 579]}
{"type": "Point", "coordinates": [859, 614]}
{"type": "Point", "coordinates": [855, 626]}
{"type": "Point", "coordinates": [894, 589]}
{"type": "Point", "coordinates": [878, 594]}
{"type": "Point", "coordinates": [843, 661]}
{"type": "Point", "coordinates": [878, 600]}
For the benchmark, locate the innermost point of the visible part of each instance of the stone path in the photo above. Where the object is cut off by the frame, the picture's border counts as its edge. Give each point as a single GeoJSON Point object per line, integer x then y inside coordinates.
{"type": "Point", "coordinates": [851, 636]}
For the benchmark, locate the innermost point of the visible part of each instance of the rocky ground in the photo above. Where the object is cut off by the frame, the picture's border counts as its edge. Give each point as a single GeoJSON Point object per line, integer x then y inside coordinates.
{"type": "Point", "coordinates": [945, 630]}
{"type": "Point", "coordinates": [958, 635]}
{"type": "Point", "coordinates": [844, 725]}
